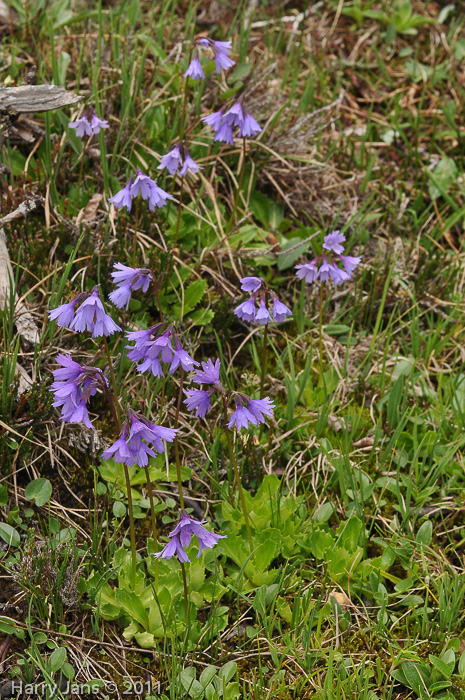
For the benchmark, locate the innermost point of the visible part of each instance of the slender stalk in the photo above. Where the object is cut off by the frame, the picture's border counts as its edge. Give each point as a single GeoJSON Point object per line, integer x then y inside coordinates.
{"type": "Point", "coordinates": [320, 329]}
{"type": "Point", "coordinates": [132, 529]}
{"type": "Point", "coordinates": [178, 222]}
{"type": "Point", "coordinates": [184, 102]}
{"type": "Point", "coordinates": [116, 411]}
{"type": "Point", "coordinates": [154, 521]}
{"type": "Point", "coordinates": [239, 188]}
{"type": "Point", "coordinates": [134, 240]}
{"type": "Point", "coordinates": [81, 168]}
{"type": "Point", "coordinates": [186, 591]}
{"type": "Point", "coordinates": [162, 399]}
{"type": "Point", "coordinates": [263, 363]}
{"type": "Point", "coordinates": [113, 383]}
{"type": "Point", "coordinates": [157, 294]}
{"type": "Point", "coordinates": [237, 474]}
{"type": "Point", "coordinates": [176, 446]}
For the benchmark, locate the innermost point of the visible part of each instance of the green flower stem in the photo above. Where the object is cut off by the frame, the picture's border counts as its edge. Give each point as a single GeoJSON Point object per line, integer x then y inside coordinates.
{"type": "Point", "coordinates": [263, 363]}
{"type": "Point", "coordinates": [178, 222]}
{"type": "Point", "coordinates": [154, 521]}
{"type": "Point", "coordinates": [237, 474]}
{"type": "Point", "coordinates": [186, 591]}
{"type": "Point", "coordinates": [134, 240]}
{"type": "Point", "coordinates": [176, 445]}
{"type": "Point", "coordinates": [320, 329]}
{"type": "Point", "coordinates": [239, 187]}
{"type": "Point", "coordinates": [116, 411]}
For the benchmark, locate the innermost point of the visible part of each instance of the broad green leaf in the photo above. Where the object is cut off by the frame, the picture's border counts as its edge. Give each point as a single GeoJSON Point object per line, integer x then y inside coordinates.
{"type": "Point", "coordinates": [9, 535]}
{"type": "Point", "coordinates": [39, 490]}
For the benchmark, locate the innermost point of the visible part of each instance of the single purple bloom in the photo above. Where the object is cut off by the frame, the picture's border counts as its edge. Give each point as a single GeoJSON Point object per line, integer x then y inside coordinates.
{"type": "Point", "coordinates": [350, 262]}
{"type": "Point", "coordinates": [128, 279]}
{"type": "Point", "coordinates": [173, 548]}
{"type": "Point", "coordinates": [91, 316]}
{"type": "Point", "coordinates": [262, 316]}
{"type": "Point", "coordinates": [150, 351]}
{"type": "Point", "coordinates": [132, 448]}
{"type": "Point", "coordinates": [251, 284]}
{"type": "Point", "coordinates": [308, 271]}
{"type": "Point", "coordinates": [221, 49]}
{"type": "Point", "coordinates": [189, 164]}
{"type": "Point", "coordinates": [235, 115]}
{"type": "Point", "coordinates": [64, 314]}
{"type": "Point", "coordinates": [194, 69]}
{"type": "Point", "coordinates": [209, 375]}
{"type": "Point", "coordinates": [246, 310]}
{"type": "Point", "coordinates": [280, 310]}
{"type": "Point", "coordinates": [338, 274]}
{"type": "Point", "coordinates": [83, 127]}
{"type": "Point", "coordinates": [198, 400]}
{"type": "Point", "coordinates": [120, 449]}
{"type": "Point", "coordinates": [214, 119]}
{"type": "Point", "coordinates": [171, 160]}
{"type": "Point", "coordinates": [325, 270]}
{"type": "Point", "coordinates": [225, 134]}
{"type": "Point", "coordinates": [260, 408]}
{"type": "Point", "coordinates": [249, 127]}
{"type": "Point", "coordinates": [181, 357]}
{"type": "Point", "coordinates": [123, 198]}
{"type": "Point", "coordinates": [98, 124]}
{"type": "Point", "coordinates": [241, 418]}
{"type": "Point", "coordinates": [333, 242]}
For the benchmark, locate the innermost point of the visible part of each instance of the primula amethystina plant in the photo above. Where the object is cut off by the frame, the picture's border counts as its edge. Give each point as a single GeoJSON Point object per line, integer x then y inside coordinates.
{"type": "Point", "coordinates": [153, 347]}
{"type": "Point", "coordinates": [250, 411]}
{"type": "Point", "coordinates": [180, 538]}
{"type": "Point", "coordinates": [137, 432]}
{"type": "Point", "coordinates": [179, 156]}
{"type": "Point", "coordinates": [221, 51]}
{"type": "Point", "coordinates": [128, 279]}
{"type": "Point", "coordinates": [88, 124]}
{"type": "Point", "coordinates": [146, 187]}
{"type": "Point", "coordinates": [73, 386]}
{"type": "Point", "coordinates": [328, 265]}
{"type": "Point", "coordinates": [90, 315]}
{"type": "Point", "coordinates": [247, 310]}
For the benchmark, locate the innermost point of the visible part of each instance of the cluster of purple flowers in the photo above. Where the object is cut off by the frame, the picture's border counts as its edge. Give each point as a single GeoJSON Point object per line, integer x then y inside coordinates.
{"type": "Point", "coordinates": [225, 120]}
{"type": "Point", "coordinates": [325, 267]}
{"type": "Point", "coordinates": [247, 310]}
{"type": "Point", "coordinates": [180, 538]}
{"type": "Point", "coordinates": [221, 51]}
{"type": "Point", "coordinates": [128, 279]}
{"type": "Point", "coordinates": [88, 124]}
{"type": "Point", "coordinates": [248, 411]}
{"type": "Point", "coordinates": [73, 386]}
{"type": "Point", "coordinates": [152, 347]}
{"type": "Point", "coordinates": [179, 156]}
{"type": "Point", "coordinates": [146, 187]}
{"type": "Point", "coordinates": [90, 315]}
{"type": "Point", "coordinates": [132, 446]}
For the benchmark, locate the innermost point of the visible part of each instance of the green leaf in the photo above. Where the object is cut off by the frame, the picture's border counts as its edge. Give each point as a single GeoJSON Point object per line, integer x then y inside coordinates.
{"type": "Point", "coordinates": [9, 535]}
{"type": "Point", "coordinates": [119, 509]}
{"type": "Point", "coordinates": [324, 512]}
{"type": "Point", "coordinates": [39, 490]}
{"type": "Point", "coordinates": [441, 666]}
{"type": "Point", "coordinates": [425, 533]}
{"type": "Point", "coordinates": [193, 294]}
{"type": "Point", "coordinates": [442, 177]}
{"type": "Point", "coordinates": [57, 658]}
{"type": "Point", "coordinates": [3, 495]}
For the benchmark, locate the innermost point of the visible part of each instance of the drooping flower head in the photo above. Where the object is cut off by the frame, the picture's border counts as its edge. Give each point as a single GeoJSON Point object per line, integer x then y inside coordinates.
{"type": "Point", "coordinates": [73, 386]}
{"type": "Point", "coordinates": [250, 411]}
{"type": "Point", "coordinates": [329, 262]}
{"type": "Point", "coordinates": [88, 124]}
{"type": "Point", "coordinates": [137, 433]}
{"type": "Point", "coordinates": [128, 279]}
{"type": "Point", "coordinates": [194, 69]}
{"type": "Point", "coordinates": [198, 400]}
{"type": "Point", "coordinates": [247, 310]}
{"type": "Point", "coordinates": [179, 156]}
{"type": "Point", "coordinates": [181, 536]}
{"type": "Point", "coordinates": [146, 187]}
{"type": "Point", "coordinates": [221, 51]}
{"type": "Point", "coordinates": [224, 121]}
{"type": "Point", "coordinates": [152, 347]}
{"type": "Point", "coordinates": [90, 315]}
